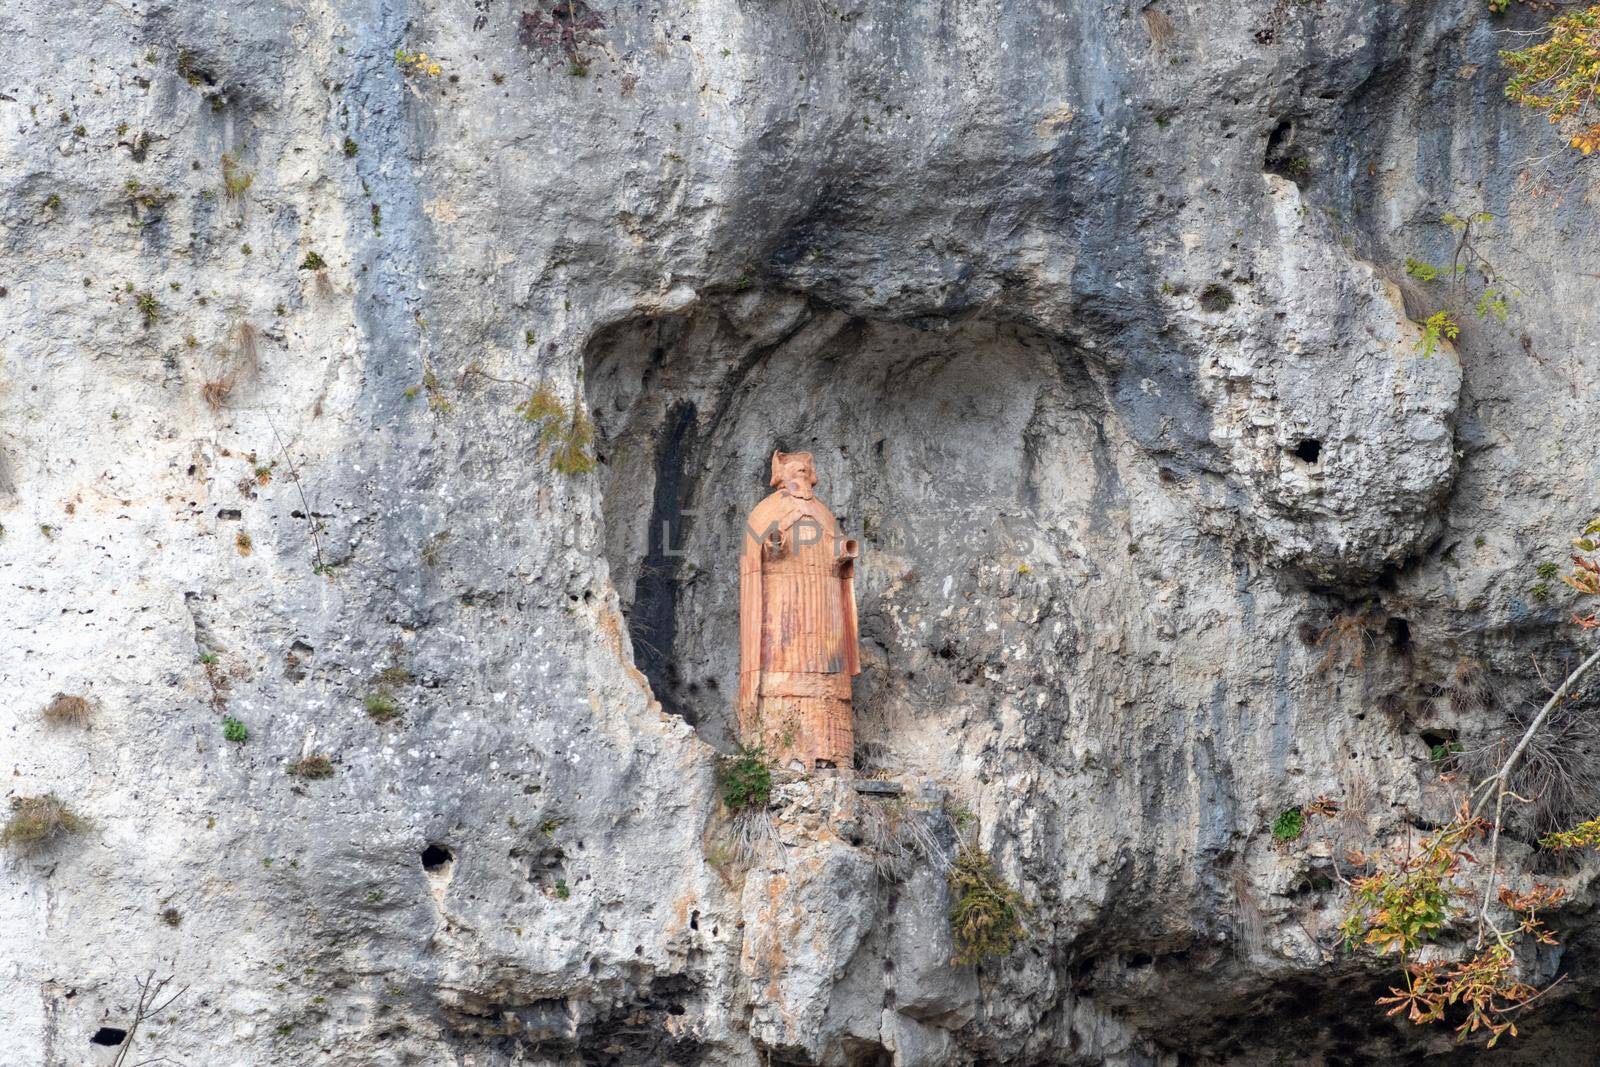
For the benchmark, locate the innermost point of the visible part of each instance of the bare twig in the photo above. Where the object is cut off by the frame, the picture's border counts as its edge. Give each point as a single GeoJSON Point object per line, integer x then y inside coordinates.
{"type": "Point", "coordinates": [150, 990]}
{"type": "Point", "coordinates": [311, 521]}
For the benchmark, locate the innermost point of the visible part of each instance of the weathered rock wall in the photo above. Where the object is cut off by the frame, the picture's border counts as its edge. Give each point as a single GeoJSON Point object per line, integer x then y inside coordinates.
{"type": "Point", "coordinates": [1095, 319]}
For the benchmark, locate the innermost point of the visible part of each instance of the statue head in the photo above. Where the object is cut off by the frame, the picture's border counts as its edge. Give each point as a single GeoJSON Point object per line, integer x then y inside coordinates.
{"type": "Point", "coordinates": [794, 472]}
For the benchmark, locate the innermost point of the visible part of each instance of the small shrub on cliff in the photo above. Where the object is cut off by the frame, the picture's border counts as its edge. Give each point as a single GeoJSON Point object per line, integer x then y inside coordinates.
{"type": "Point", "coordinates": [1474, 967]}
{"type": "Point", "coordinates": [234, 730]}
{"type": "Point", "coordinates": [986, 916]}
{"type": "Point", "coordinates": [36, 821]}
{"type": "Point", "coordinates": [417, 64]}
{"type": "Point", "coordinates": [1401, 908]}
{"type": "Point", "coordinates": [1560, 77]}
{"type": "Point", "coordinates": [746, 780]}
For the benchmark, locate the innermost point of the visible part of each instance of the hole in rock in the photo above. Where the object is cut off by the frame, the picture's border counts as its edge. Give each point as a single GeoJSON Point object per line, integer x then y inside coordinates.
{"type": "Point", "coordinates": [436, 858]}
{"type": "Point", "coordinates": [109, 1035]}
{"type": "Point", "coordinates": [1308, 450]}
{"type": "Point", "coordinates": [956, 454]}
{"type": "Point", "coordinates": [1438, 739]}
{"type": "Point", "coordinates": [1283, 157]}
{"type": "Point", "coordinates": [860, 1053]}
{"type": "Point", "coordinates": [1399, 631]}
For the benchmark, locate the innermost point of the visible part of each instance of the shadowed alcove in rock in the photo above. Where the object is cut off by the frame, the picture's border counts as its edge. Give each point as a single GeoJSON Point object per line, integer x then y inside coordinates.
{"type": "Point", "coordinates": [960, 455]}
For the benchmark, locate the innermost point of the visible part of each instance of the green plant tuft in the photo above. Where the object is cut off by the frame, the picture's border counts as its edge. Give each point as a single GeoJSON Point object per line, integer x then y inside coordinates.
{"type": "Point", "coordinates": [1423, 272]}
{"type": "Point", "coordinates": [313, 262]}
{"type": "Point", "coordinates": [381, 706]}
{"type": "Point", "coordinates": [234, 730]}
{"type": "Point", "coordinates": [1289, 825]}
{"type": "Point", "coordinates": [746, 780]}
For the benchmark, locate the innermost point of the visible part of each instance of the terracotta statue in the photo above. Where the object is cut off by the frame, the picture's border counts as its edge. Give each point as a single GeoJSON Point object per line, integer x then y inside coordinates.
{"type": "Point", "coordinates": [797, 625]}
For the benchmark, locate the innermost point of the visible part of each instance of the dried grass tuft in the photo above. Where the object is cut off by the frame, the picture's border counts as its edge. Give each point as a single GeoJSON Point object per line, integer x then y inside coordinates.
{"type": "Point", "coordinates": [1559, 772]}
{"type": "Point", "coordinates": [66, 709]}
{"type": "Point", "coordinates": [1159, 26]}
{"type": "Point", "coordinates": [239, 365]}
{"type": "Point", "coordinates": [37, 821]}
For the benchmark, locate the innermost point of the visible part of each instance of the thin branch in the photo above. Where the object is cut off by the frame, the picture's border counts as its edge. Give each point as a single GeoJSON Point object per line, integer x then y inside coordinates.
{"type": "Point", "coordinates": [473, 370]}
{"type": "Point", "coordinates": [1501, 779]}
{"type": "Point", "coordinates": [311, 522]}
{"type": "Point", "coordinates": [149, 990]}
{"type": "Point", "coordinates": [1538, 721]}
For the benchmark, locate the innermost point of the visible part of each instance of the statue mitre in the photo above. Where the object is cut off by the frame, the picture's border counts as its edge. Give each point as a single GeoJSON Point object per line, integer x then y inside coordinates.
{"type": "Point", "coordinates": [781, 459]}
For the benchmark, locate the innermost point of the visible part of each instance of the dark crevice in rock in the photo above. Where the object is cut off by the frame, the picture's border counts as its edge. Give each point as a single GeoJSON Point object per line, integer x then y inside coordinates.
{"type": "Point", "coordinates": [1284, 158]}
{"type": "Point", "coordinates": [653, 622]}
{"type": "Point", "coordinates": [635, 1027]}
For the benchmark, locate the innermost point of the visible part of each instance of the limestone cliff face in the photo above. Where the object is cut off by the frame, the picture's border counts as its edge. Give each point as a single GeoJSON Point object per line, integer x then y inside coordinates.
{"type": "Point", "coordinates": [1092, 317]}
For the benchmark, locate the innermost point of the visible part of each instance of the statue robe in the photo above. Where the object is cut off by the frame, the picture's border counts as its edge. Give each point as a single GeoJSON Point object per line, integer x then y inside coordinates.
{"type": "Point", "coordinates": [798, 645]}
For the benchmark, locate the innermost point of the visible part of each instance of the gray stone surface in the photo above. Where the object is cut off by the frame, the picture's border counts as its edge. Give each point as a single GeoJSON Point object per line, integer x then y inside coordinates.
{"type": "Point", "coordinates": [1050, 297]}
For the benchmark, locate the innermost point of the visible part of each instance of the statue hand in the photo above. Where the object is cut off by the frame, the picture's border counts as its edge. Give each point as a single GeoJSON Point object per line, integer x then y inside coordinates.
{"type": "Point", "coordinates": [849, 552]}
